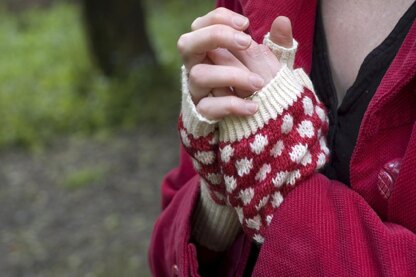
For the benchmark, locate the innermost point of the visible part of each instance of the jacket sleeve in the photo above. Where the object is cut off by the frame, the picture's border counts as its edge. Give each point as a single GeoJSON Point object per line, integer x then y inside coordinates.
{"type": "Point", "coordinates": [176, 178]}
{"type": "Point", "coordinates": [323, 228]}
{"type": "Point", "coordinates": [326, 229]}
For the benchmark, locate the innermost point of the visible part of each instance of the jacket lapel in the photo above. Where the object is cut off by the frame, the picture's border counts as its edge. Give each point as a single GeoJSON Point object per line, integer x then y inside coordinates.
{"type": "Point", "coordinates": [385, 133]}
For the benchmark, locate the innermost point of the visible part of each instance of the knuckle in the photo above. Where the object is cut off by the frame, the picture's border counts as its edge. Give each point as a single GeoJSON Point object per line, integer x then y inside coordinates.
{"type": "Point", "coordinates": [232, 105]}
{"type": "Point", "coordinates": [234, 78]}
{"type": "Point", "coordinates": [194, 24]}
{"type": "Point", "coordinates": [216, 33]}
{"type": "Point", "coordinates": [255, 51]}
{"type": "Point", "coordinates": [263, 48]}
{"type": "Point", "coordinates": [221, 12]}
{"type": "Point", "coordinates": [181, 44]}
{"type": "Point", "coordinates": [218, 16]}
{"type": "Point", "coordinates": [203, 108]}
{"type": "Point", "coordinates": [196, 75]}
{"type": "Point", "coordinates": [266, 52]}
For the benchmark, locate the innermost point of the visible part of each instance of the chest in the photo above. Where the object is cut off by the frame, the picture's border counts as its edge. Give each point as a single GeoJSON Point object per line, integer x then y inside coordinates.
{"type": "Point", "coordinates": [353, 29]}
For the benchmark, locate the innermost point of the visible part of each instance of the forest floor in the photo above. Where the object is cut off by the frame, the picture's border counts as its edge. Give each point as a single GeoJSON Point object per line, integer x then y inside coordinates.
{"type": "Point", "coordinates": [83, 207]}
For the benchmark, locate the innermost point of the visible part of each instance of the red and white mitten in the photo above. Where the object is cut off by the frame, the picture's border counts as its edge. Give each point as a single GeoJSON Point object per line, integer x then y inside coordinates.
{"type": "Point", "coordinates": [215, 225]}
{"type": "Point", "coordinates": [284, 55]}
{"type": "Point", "coordinates": [265, 156]}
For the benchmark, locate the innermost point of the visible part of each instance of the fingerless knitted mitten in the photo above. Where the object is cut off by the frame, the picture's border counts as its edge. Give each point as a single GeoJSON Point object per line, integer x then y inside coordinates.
{"type": "Point", "coordinates": [215, 225]}
{"type": "Point", "coordinates": [264, 156]}
{"type": "Point", "coordinates": [252, 163]}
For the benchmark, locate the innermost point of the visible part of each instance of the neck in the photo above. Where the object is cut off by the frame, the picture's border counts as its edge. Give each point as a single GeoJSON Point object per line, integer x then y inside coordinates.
{"type": "Point", "coordinates": [353, 29]}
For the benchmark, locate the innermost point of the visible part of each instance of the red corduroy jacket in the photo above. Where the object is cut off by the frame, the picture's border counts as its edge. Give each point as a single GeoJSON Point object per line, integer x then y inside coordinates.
{"type": "Point", "coordinates": [323, 228]}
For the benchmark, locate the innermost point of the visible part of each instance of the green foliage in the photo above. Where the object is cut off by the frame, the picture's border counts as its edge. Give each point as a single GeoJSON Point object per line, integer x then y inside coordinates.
{"type": "Point", "coordinates": [167, 20]}
{"type": "Point", "coordinates": [84, 177]}
{"type": "Point", "coordinates": [49, 86]}
{"type": "Point", "coordinates": [44, 77]}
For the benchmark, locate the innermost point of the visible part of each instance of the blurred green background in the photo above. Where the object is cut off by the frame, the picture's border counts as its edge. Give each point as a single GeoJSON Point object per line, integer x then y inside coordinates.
{"type": "Point", "coordinates": [89, 96]}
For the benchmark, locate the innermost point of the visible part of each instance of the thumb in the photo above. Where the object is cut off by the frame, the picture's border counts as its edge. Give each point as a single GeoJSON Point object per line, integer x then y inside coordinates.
{"type": "Point", "coordinates": [281, 32]}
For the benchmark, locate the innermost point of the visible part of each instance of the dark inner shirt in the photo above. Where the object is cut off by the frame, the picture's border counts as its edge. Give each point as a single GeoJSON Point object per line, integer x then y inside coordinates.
{"type": "Point", "coordinates": [345, 121]}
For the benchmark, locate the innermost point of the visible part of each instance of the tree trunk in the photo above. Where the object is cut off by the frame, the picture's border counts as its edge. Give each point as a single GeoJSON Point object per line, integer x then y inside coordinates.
{"type": "Point", "coordinates": [117, 35]}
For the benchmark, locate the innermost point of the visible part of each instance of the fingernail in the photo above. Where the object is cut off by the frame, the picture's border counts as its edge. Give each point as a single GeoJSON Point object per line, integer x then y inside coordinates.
{"type": "Point", "coordinates": [243, 39]}
{"type": "Point", "coordinates": [240, 22]}
{"type": "Point", "coordinates": [194, 24]}
{"type": "Point", "coordinates": [251, 107]}
{"type": "Point", "coordinates": [256, 81]}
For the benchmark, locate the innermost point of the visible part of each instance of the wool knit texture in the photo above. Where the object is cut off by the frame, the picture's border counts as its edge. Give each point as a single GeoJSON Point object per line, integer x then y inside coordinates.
{"type": "Point", "coordinates": [251, 163]}
{"type": "Point", "coordinates": [215, 225]}
{"type": "Point", "coordinates": [262, 163]}
{"type": "Point", "coordinates": [283, 54]}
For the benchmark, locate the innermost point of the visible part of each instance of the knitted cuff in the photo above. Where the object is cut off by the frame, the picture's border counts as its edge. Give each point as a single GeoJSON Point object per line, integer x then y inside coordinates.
{"type": "Point", "coordinates": [265, 156]}
{"type": "Point", "coordinates": [303, 78]}
{"type": "Point", "coordinates": [214, 226]}
{"type": "Point", "coordinates": [276, 97]}
{"type": "Point", "coordinates": [283, 54]}
{"type": "Point", "coordinates": [193, 121]}
{"type": "Point", "coordinates": [199, 137]}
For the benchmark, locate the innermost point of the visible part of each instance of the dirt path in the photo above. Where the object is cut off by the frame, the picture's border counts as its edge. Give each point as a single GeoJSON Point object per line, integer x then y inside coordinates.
{"type": "Point", "coordinates": [84, 207]}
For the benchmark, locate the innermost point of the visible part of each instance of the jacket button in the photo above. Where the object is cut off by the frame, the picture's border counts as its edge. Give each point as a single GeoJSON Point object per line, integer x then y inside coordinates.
{"type": "Point", "coordinates": [387, 177]}
{"type": "Point", "coordinates": [175, 270]}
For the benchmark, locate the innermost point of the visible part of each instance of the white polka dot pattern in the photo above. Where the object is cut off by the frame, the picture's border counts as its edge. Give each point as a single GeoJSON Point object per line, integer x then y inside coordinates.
{"type": "Point", "coordinates": [185, 140]}
{"type": "Point", "coordinates": [259, 143]}
{"type": "Point", "coordinates": [262, 158]}
{"type": "Point", "coordinates": [230, 183]}
{"type": "Point", "coordinates": [262, 174]}
{"type": "Point", "coordinates": [226, 153]}
{"type": "Point", "coordinates": [260, 170]}
{"type": "Point", "coordinates": [287, 124]}
{"type": "Point", "coordinates": [244, 166]}
{"type": "Point", "coordinates": [280, 179]}
{"type": "Point", "coordinates": [247, 195]}
{"type": "Point", "coordinates": [205, 157]}
{"type": "Point", "coordinates": [306, 129]}
{"type": "Point", "coordinates": [254, 223]}
{"type": "Point", "coordinates": [298, 152]}
{"type": "Point", "coordinates": [277, 199]}
{"type": "Point", "coordinates": [262, 202]}
{"type": "Point", "coordinates": [307, 106]}
{"type": "Point", "coordinates": [277, 149]}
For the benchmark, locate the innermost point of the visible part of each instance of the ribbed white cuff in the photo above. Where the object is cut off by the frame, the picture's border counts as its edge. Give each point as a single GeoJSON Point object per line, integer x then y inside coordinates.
{"type": "Point", "coordinates": [194, 122]}
{"type": "Point", "coordinates": [214, 226]}
{"type": "Point", "coordinates": [303, 78]}
{"type": "Point", "coordinates": [276, 97]}
{"type": "Point", "coordinates": [283, 54]}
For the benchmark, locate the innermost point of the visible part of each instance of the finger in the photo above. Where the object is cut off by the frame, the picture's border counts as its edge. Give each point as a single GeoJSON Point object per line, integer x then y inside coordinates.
{"type": "Point", "coordinates": [222, 56]}
{"type": "Point", "coordinates": [220, 107]}
{"type": "Point", "coordinates": [260, 60]}
{"type": "Point", "coordinates": [281, 32]}
{"type": "Point", "coordinates": [221, 16]}
{"type": "Point", "coordinates": [204, 77]}
{"type": "Point", "coordinates": [238, 92]}
{"type": "Point", "coordinates": [220, 92]}
{"type": "Point", "coordinates": [194, 46]}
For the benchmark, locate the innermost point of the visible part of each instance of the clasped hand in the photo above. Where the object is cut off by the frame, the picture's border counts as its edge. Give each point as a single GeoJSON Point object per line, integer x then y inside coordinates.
{"type": "Point", "coordinates": [225, 65]}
